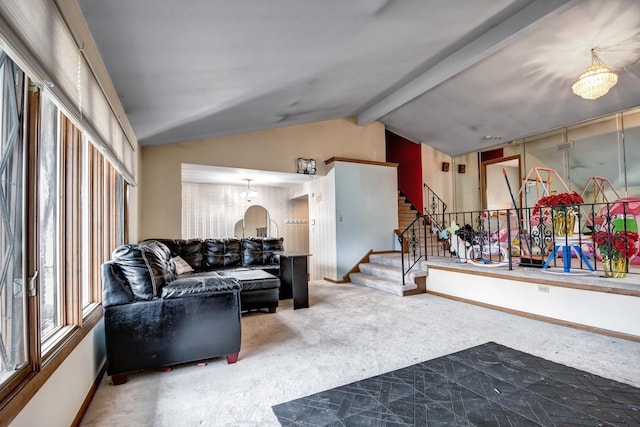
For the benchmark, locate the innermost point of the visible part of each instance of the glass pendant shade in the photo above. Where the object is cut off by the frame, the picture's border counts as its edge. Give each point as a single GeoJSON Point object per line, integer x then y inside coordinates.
{"type": "Point", "coordinates": [595, 81]}
{"type": "Point", "coordinates": [249, 193]}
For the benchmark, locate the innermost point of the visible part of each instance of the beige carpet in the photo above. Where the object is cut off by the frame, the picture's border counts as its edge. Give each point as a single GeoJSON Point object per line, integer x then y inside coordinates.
{"type": "Point", "coordinates": [349, 333]}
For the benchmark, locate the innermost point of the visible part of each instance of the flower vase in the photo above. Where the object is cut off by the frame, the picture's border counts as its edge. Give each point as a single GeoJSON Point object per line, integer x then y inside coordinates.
{"type": "Point", "coordinates": [614, 267]}
{"type": "Point", "coordinates": [564, 222]}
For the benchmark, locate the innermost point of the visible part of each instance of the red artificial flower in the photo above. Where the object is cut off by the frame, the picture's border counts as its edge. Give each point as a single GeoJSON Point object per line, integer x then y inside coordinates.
{"type": "Point", "coordinates": [619, 244]}
{"type": "Point", "coordinates": [561, 199]}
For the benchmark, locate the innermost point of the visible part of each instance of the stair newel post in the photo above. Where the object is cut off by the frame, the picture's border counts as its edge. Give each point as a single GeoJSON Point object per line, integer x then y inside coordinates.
{"type": "Point", "coordinates": [402, 257]}
{"type": "Point", "coordinates": [509, 239]}
{"type": "Point", "coordinates": [424, 234]}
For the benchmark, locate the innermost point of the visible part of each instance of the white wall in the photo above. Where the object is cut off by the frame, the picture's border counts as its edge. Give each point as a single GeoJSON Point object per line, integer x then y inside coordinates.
{"type": "Point", "coordinates": [60, 398]}
{"type": "Point", "coordinates": [296, 225]}
{"type": "Point", "coordinates": [322, 226]}
{"type": "Point", "coordinates": [211, 210]}
{"type": "Point", "coordinates": [366, 211]}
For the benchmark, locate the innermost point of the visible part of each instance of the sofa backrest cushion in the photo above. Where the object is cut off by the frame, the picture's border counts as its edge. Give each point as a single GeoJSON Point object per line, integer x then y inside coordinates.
{"type": "Point", "coordinates": [191, 251]}
{"type": "Point", "coordinates": [147, 267]}
{"type": "Point", "coordinates": [221, 253]}
{"type": "Point", "coordinates": [172, 244]}
{"type": "Point", "coordinates": [260, 251]}
{"type": "Point", "coordinates": [231, 252]}
{"type": "Point", "coordinates": [271, 245]}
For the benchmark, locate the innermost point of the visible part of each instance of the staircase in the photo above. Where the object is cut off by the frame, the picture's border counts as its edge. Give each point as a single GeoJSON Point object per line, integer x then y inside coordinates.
{"type": "Point", "coordinates": [406, 215]}
{"type": "Point", "coordinates": [384, 273]}
{"type": "Point", "coordinates": [406, 212]}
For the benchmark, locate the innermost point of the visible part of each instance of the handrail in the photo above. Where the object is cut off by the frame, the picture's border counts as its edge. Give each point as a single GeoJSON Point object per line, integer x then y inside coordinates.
{"type": "Point", "coordinates": [434, 208]}
{"type": "Point", "coordinates": [536, 237]}
{"type": "Point", "coordinates": [416, 248]}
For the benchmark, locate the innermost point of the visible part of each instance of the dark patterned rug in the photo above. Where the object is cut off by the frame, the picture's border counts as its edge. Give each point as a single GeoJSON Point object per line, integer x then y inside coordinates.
{"type": "Point", "coordinates": [487, 385]}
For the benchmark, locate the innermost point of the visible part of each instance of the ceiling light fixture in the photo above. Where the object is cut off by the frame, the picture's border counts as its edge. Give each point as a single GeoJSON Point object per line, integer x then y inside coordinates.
{"type": "Point", "coordinates": [249, 193]}
{"type": "Point", "coordinates": [596, 80]}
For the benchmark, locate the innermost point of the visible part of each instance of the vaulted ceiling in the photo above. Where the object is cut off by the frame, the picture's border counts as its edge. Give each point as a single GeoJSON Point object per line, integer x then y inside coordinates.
{"type": "Point", "coordinates": [460, 75]}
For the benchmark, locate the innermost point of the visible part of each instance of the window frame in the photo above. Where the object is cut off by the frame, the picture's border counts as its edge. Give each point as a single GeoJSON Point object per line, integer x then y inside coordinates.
{"type": "Point", "coordinates": [106, 217]}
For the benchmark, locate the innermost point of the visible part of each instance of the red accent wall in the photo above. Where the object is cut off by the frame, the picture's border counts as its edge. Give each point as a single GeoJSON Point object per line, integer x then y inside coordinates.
{"type": "Point", "coordinates": [408, 155]}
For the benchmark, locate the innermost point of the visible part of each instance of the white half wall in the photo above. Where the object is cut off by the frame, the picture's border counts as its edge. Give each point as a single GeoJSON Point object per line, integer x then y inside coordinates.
{"type": "Point", "coordinates": [366, 211]}
{"type": "Point", "coordinates": [604, 310]}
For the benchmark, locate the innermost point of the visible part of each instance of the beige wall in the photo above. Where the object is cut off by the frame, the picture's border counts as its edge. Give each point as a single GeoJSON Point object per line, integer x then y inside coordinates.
{"type": "Point", "coordinates": [273, 149]}
{"type": "Point", "coordinates": [432, 175]}
{"type": "Point", "coordinates": [466, 186]}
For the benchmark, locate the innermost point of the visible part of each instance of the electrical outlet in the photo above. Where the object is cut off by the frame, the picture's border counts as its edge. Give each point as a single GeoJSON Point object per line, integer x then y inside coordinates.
{"type": "Point", "coordinates": [543, 288]}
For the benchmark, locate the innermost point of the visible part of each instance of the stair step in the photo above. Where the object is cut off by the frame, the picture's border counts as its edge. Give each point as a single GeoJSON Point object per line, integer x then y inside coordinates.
{"type": "Point", "coordinates": [382, 271]}
{"type": "Point", "coordinates": [381, 284]}
{"type": "Point", "coordinates": [407, 215]}
{"type": "Point", "coordinates": [394, 260]}
{"type": "Point", "coordinates": [406, 211]}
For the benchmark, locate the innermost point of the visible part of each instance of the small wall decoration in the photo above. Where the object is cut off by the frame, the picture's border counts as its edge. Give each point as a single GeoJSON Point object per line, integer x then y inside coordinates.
{"type": "Point", "coordinates": [461, 168]}
{"type": "Point", "coordinates": [306, 166]}
{"type": "Point", "coordinates": [445, 166]}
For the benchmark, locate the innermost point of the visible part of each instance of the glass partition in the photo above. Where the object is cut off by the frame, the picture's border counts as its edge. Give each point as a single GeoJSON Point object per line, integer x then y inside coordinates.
{"type": "Point", "coordinates": [593, 158]}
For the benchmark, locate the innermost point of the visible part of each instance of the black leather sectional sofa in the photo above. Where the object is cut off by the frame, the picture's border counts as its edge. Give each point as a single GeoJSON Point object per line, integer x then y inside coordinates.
{"type": "Point", "coordinates": [155, 317]}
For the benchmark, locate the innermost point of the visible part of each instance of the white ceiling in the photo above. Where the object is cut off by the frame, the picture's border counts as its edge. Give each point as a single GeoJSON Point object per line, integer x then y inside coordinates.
{"type": "Point", "coordinates": [443, 73]}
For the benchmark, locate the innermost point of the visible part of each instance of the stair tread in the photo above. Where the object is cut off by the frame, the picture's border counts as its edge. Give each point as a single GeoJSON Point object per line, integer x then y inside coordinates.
{"type": "Point", "coordinates": [380, 284]}
{"type": "Point", "coordinates": [376, 278]}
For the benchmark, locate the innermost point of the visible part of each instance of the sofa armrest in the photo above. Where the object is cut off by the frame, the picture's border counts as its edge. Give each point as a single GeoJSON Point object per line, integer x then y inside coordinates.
{"type": "Point", "coordinates": [115, 287]}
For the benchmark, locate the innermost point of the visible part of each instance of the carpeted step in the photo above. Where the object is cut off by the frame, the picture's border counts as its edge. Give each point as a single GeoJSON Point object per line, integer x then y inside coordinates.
{"type": "Point", "coordinates": [394, 259]}
{"type": "Point", "coordinates": [382, 271]}
{"type": "Point", "coordinates": [381, 284]}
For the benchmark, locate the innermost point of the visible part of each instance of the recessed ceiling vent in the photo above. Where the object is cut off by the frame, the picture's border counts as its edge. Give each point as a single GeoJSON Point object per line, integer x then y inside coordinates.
{"type": "Point", "coordinates": [564, 146]}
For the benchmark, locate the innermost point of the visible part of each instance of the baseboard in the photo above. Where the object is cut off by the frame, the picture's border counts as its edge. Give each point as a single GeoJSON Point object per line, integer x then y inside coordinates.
{"type": "Point", "coordinates": [336, 281]}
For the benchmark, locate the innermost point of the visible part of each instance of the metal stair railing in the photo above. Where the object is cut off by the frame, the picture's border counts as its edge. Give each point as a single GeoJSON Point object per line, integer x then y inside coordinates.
{"type": "Point", "coordinates": [434, 208]}
{"type": "Point", "coordinates": [413, 241]}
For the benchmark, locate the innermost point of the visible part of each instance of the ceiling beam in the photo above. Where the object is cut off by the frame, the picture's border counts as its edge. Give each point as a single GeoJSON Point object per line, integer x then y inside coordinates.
{"type": "Point", "coordinates": [474, 52]}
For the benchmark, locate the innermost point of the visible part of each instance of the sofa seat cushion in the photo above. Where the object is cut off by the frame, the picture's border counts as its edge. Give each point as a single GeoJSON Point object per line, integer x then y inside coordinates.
{"type": "Point", "coordinates": [200, 285]}
{"type": "Point", "coordinates": [252, 280]}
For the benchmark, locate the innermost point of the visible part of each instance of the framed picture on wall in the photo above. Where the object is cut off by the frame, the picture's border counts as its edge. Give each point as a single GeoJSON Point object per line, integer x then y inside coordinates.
{"type": "Point", "coordinates": [306, 166]}
{"type": "Point", "coordinates": [445, 166]}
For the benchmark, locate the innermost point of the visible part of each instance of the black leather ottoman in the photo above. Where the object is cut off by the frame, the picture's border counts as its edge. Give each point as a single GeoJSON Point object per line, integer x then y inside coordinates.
{"type": "Point", "coordinates": [259, 289]}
